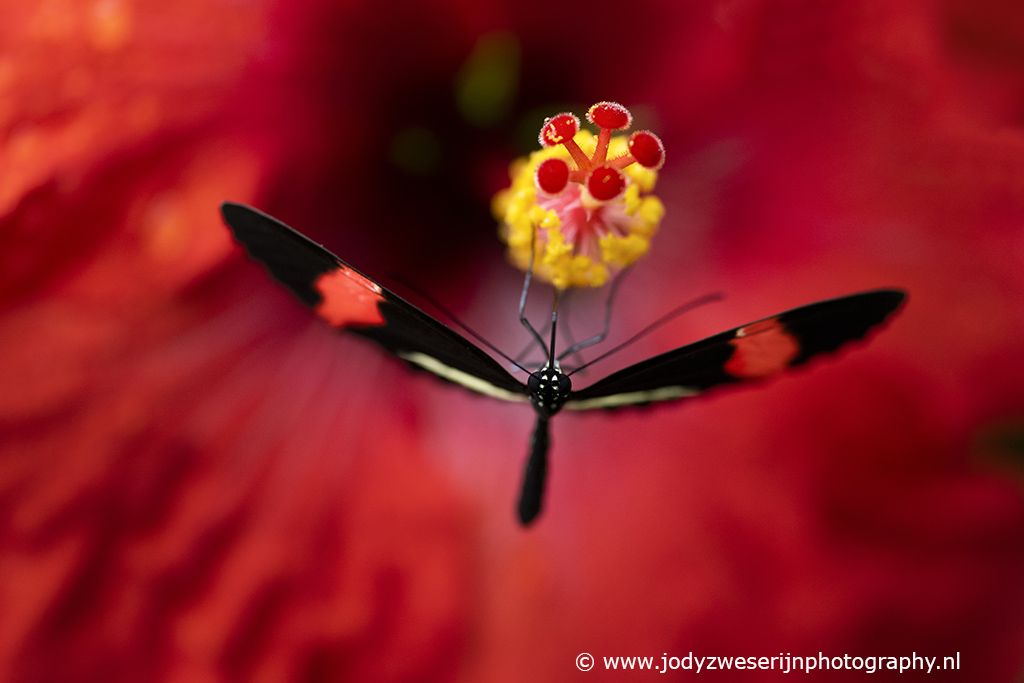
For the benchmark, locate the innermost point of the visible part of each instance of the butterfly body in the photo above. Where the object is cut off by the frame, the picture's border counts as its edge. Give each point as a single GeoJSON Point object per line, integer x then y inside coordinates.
{"type": "Point", "coordinates": [349, 300]}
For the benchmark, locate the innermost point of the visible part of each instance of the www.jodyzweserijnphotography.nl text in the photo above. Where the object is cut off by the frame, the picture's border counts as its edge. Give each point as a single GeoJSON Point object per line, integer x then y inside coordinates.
{"type": "Point", "coordinates": [784, 663]}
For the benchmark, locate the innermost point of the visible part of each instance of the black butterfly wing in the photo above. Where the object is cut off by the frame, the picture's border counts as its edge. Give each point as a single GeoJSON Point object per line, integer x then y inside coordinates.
{"type": "Point", "coordinates": [348, 299]}
{"type": "Point", "coordinates": [755, 351]}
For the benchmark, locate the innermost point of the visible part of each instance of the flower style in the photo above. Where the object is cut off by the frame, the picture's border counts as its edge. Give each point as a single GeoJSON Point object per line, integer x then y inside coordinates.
{"type": "Point", "coordinates": [588, 222]}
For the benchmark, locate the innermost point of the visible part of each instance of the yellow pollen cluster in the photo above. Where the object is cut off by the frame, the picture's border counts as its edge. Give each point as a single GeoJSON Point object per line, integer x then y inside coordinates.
{"type": "Point", "coordinates": [579, 241]}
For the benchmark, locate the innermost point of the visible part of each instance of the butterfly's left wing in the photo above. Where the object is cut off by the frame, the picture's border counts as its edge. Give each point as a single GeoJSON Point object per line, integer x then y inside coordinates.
{"type": "Point", "coordinates": [755, 351]}
{"type": "Point", "coordinates": [349, 300]}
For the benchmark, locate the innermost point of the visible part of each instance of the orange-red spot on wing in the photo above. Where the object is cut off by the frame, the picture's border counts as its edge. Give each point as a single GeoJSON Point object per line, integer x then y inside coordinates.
{"type": "Point", "coordinates": [762, 349]}
{"type": "Point", "coordinates": [348, 298]}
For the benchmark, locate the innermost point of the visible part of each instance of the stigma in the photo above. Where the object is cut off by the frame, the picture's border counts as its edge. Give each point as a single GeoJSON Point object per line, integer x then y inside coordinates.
{"type": "Point", "coordinates": [583, 202]}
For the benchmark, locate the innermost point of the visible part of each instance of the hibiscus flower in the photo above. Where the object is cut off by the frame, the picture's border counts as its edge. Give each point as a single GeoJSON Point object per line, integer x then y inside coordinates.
{"type": "Point", "coordinates": [200, 481]}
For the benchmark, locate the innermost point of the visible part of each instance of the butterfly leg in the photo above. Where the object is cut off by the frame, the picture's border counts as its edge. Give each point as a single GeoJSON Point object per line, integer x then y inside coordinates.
{"type": "Point", "coordinates": [597, 338]}
{"type": "Point", "coordinates": [546, 329]}
{"type": "Point", "coordinates": [526, 291]}
{"type": "Point", "coordinates": [532, 496]}
{"type": "Point", "coordinates": [567, 334]}
{"type": "Point", "coordinates": [522, 355]}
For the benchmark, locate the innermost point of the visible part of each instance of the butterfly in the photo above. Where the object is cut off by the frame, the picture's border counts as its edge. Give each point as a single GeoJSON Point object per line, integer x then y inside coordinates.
{"type": "Point", "coordinates": [350, 300]}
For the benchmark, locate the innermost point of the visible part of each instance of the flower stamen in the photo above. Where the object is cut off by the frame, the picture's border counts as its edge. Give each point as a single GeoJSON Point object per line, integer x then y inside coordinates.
{"type": "Point", "coordinates": [561, 130]}
{"type": "Point", "coordinates": [607, 116]}
{"type": "Point", "coordinates": [552, 176]}
{"type": "Point", "coordinates": [605, 183]}
{"type": "Point", "coordinates": [583, 201]}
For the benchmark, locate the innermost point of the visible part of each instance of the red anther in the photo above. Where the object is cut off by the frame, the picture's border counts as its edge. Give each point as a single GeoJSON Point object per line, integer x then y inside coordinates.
{"type": "Point", "coordinates": [605, 183]}
{"type": "Point", "coordinates": [558, 129]}
{"type": "Point", "coordinates": [609, 115]}
{"type": "Point", "coordinates": [552, 176]}
{"type": "Point", "coordinates": [647, 149]}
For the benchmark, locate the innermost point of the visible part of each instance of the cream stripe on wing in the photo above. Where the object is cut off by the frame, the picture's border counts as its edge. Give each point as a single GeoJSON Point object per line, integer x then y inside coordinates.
{"type": "Point", "coordinates": [632, 398]}
{"type": "Point", "coordinates": [459, 377]}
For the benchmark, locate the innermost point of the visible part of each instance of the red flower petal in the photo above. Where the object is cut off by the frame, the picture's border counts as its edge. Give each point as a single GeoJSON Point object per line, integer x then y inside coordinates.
{"type": "Point", "coordinates": [200, 481]}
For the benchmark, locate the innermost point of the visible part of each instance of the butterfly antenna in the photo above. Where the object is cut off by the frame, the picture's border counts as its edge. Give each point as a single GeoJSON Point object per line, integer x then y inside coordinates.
{"type": "Point", "coordinates": [455, 319]}
{"type": "Point", "coordinates": [674, 313]}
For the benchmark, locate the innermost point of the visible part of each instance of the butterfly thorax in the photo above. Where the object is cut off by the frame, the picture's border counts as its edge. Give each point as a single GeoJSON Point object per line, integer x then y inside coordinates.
{"type": "Point", "coordinates": [549, 389]}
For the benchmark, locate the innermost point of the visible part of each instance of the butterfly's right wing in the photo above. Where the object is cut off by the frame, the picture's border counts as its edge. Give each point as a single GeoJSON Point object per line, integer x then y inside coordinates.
{"type": "Point", "coordinates": [347, 299]}
{"type": "Point", "coordinates": [755, 351]}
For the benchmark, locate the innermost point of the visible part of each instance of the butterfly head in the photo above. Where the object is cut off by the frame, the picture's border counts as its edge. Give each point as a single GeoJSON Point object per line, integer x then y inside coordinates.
{"type": "Point", "coordinates": [549, 389]}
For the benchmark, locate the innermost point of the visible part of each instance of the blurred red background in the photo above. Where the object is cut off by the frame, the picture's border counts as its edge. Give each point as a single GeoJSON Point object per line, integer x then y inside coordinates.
{"type": "Point", "coordinates": [200, 482]}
